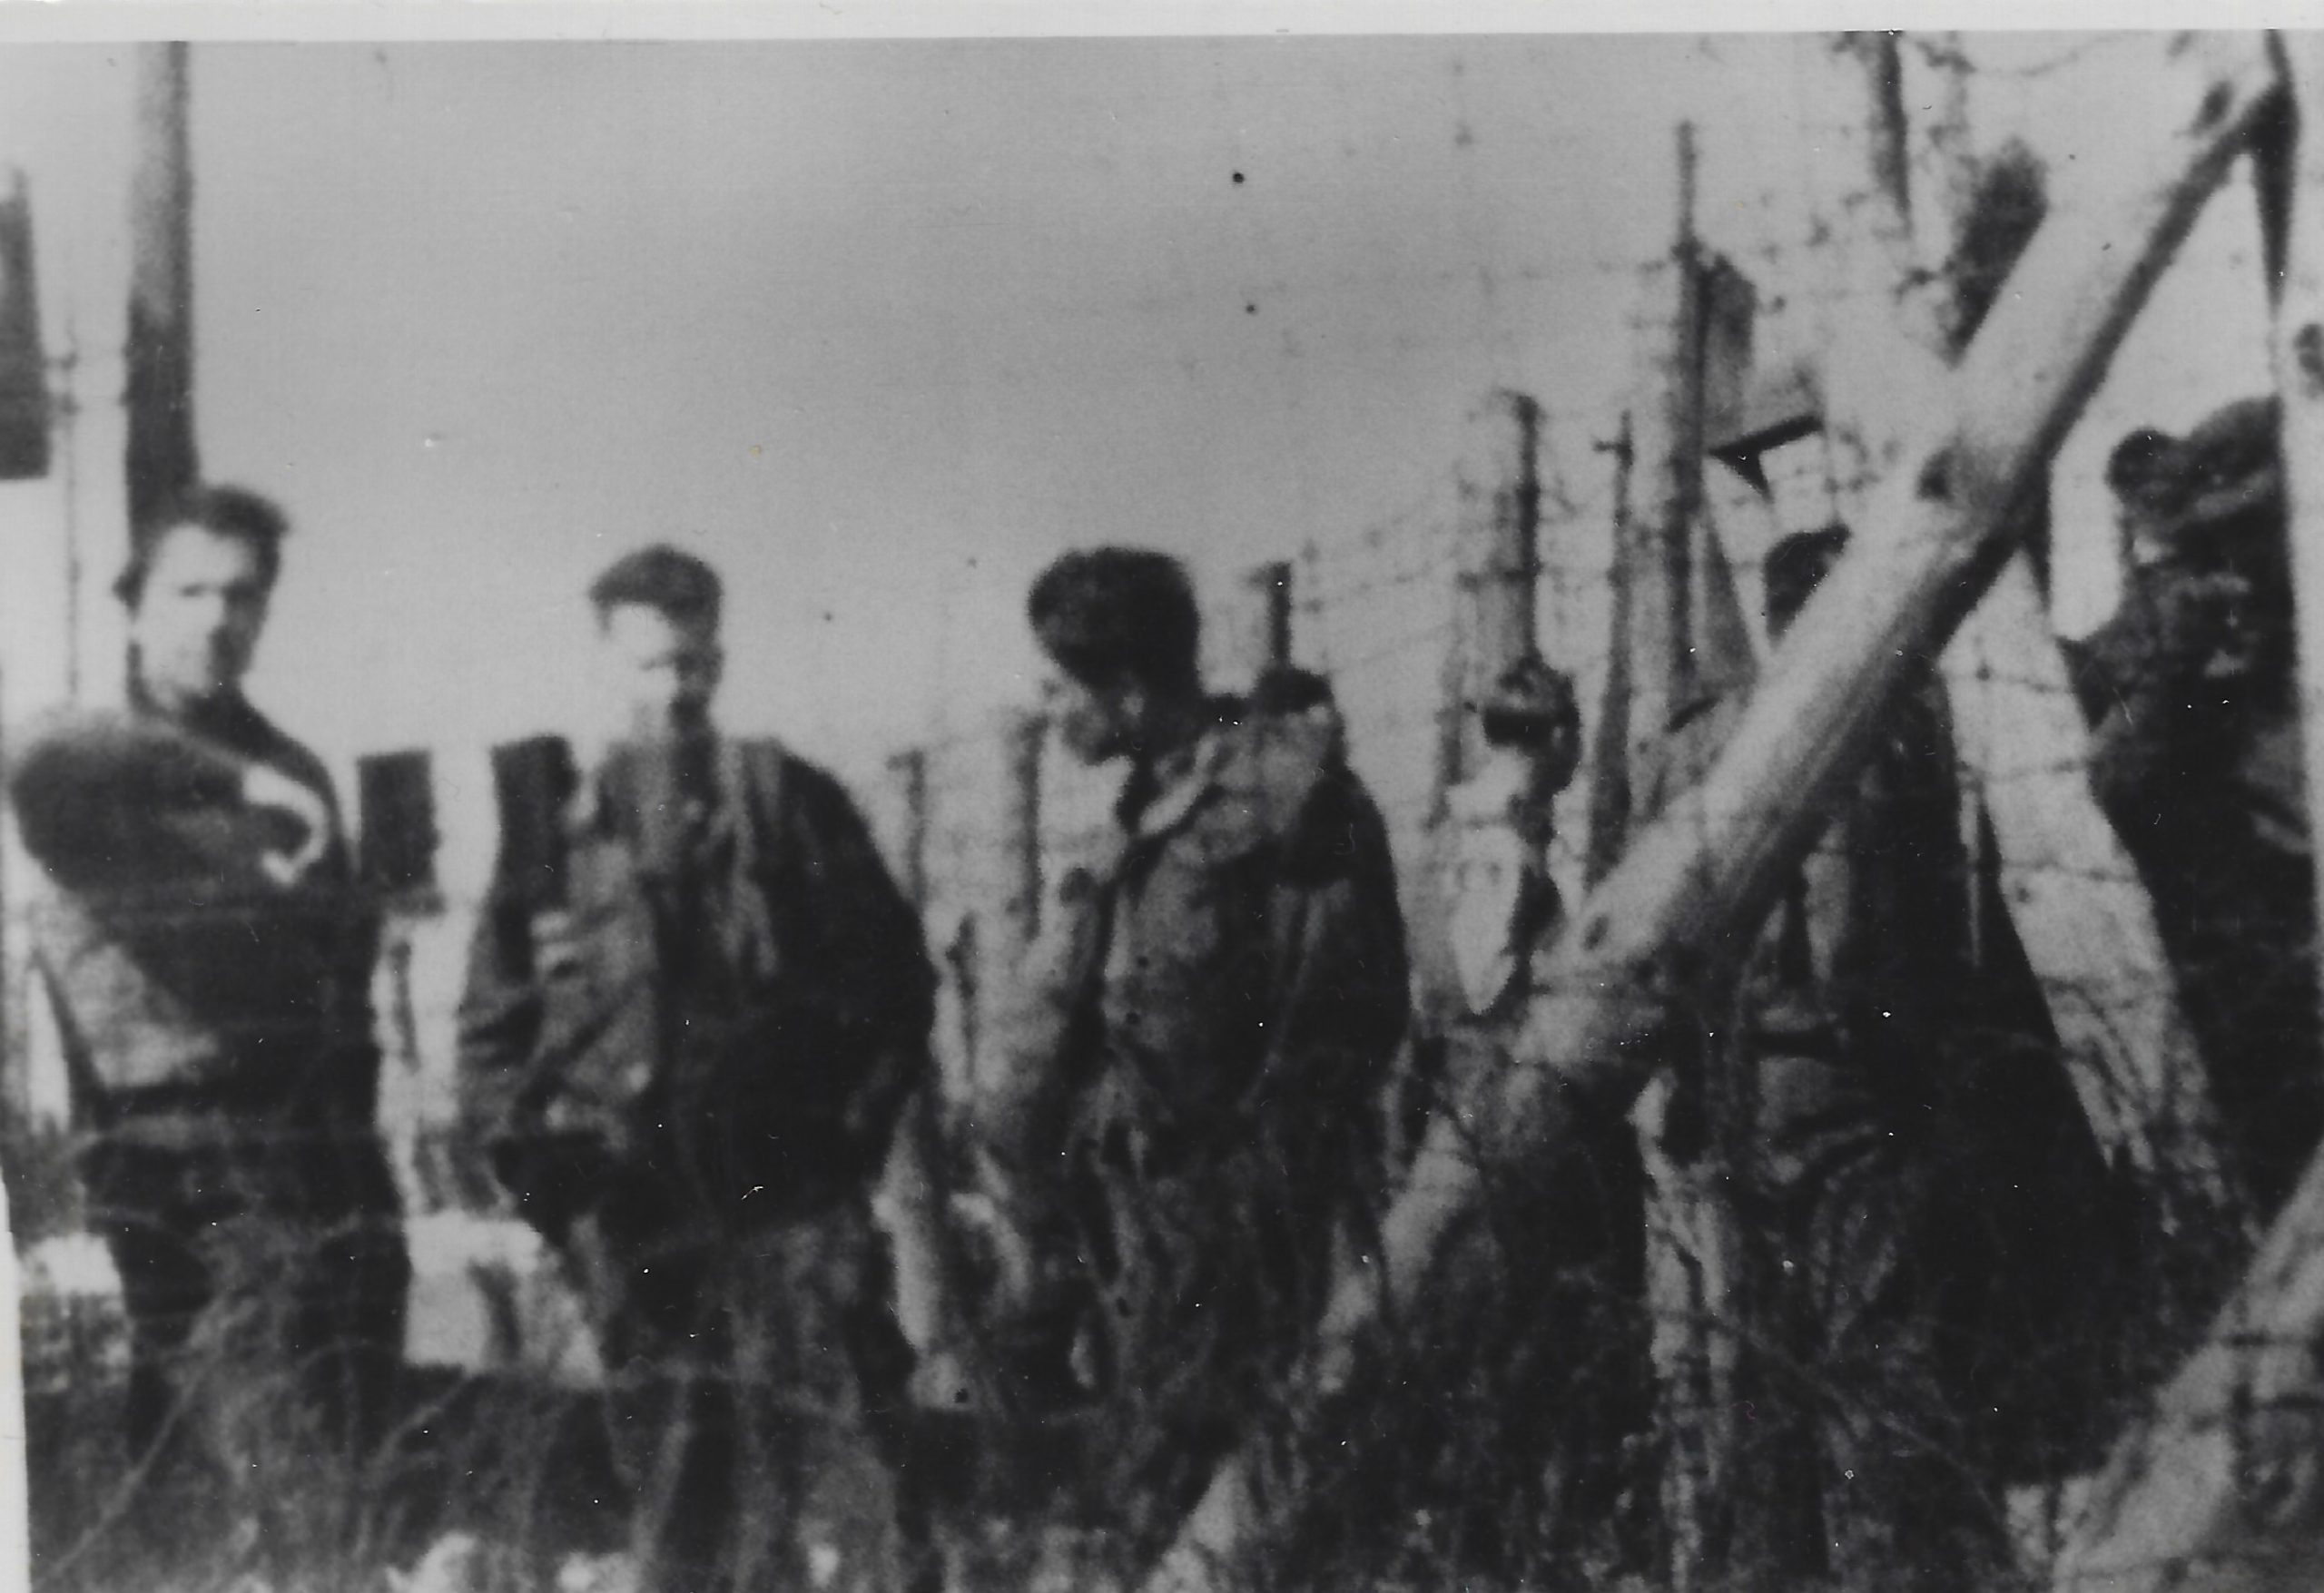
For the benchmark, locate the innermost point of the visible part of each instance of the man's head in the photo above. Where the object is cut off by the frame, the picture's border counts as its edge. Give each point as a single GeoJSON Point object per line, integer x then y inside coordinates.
{"type": "Point", "coordinates": [657, 619]}
{"type": "Point", "coordinates": [2205, 515]}
{"type": "Point", "coordinates": [1120, 626]}
{"type": "Point", "coordinates": [197, 589]}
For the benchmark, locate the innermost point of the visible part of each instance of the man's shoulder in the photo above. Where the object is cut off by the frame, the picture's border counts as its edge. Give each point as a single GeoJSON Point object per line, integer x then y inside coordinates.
{"type": "Point", "coordinates": [290, 754]}
{"type": "Point", "coordinates": [1284, 781]}
{"type": "Point", "coordinates": [777, 776]}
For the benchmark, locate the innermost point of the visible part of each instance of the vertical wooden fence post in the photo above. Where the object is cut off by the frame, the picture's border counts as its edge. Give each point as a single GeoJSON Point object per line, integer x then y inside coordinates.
{"type": "Point", "coordinates": [908, 769]}
{"type": "Point", "coordinates": [1024, 734]}
{"type": "Point", "coordinates": [1609, 732]}
{"type": "Point", "coordinates": [160, 388]}
{"type": "Point", "coordinates": [916, 1187]}
{"type": "Point", "coordinates": [2300, 380]}
{"type": "Point", "coordinates": [1267, 630]}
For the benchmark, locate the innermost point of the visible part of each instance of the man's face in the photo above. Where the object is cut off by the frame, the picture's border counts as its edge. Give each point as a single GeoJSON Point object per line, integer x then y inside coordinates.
{"type": "Point", "coordinates": [662, 672]}
{"type": "Point", "coordinates": [197, 621]}
{"type": "Point", "coordinates": [1095, 722]}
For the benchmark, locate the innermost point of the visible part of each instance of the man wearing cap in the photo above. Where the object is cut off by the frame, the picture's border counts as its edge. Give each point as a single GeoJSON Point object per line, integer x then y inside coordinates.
{"type": "Point", "coordinates": [688, 1053]}
{"type": "Point", "coordinates": [1186, 1087]}
{"type": "Point", "coordinates": [1546, 1302]}
{"type": "Point", "coordinates": [2194, 691]}
{"type": "Point", "coordinates": [208, 962]}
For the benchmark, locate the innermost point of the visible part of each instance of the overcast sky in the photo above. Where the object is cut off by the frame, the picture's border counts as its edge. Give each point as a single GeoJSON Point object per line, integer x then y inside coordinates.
{"type": "Point", "coordinates": [880, 328]}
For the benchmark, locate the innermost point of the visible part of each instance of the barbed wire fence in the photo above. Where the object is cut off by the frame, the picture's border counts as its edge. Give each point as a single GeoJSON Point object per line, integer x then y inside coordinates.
{"type": "Point", "coordinates": [1647, 583]}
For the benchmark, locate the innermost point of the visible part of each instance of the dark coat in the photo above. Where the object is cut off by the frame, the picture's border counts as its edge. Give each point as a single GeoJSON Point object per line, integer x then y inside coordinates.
{"type": "Point", "coordinates": [1234, 967]}
{"type": "Point", "coordinates": [771, 1057]}
{"type": "Point", "coordinates": [193, 992]}
{"type": "Point", "coordinates": [2201, 771]}
{"type": "Point", "coordinates": [1187, 1083]}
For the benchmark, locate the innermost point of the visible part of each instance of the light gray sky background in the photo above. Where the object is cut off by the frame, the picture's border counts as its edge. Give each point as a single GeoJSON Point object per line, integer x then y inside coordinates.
{"type": "Point", "coordinates": [882, 327]}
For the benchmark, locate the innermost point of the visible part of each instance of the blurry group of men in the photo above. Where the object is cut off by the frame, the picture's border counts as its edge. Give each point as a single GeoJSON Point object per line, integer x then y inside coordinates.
{"type": "Point", "coordinates": [698, 1004]}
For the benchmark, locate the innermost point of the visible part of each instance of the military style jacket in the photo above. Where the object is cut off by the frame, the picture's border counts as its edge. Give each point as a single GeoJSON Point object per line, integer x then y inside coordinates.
{"type": "Point", "coordinates": [760, 1027]}
{"type": "Point", "coordinates": [1230, 976]}
{"type": "Point", "coordinates": [195, 995]}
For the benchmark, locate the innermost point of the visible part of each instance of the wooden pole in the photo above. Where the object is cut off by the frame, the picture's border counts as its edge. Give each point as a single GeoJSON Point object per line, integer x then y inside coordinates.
{"type": "Point", "coordinates": [2299, 353]}
{"type": "Point", "coordinates": [908, 769]}
{"type": "Point", "coordinates": [915, 1189]}
{"type": "Point", "coordinates": [16, 1471]}
{"type": "Point", "coordinates": [1713, 863]}
{"type": "Point", "coordinates": [25, 407]}
{"type": "Point", "coordinates": [1268, 625]}
{"type": "Point", "coordinates": [1499, 566]}
{"type": "Point", "coordinates": [2074, 895]}
{"type": "Point", "coordinates": [1023, 734]}
{"type": "Point", "coordinates": [1667, 435]}
{"type": "Point", "coordinates": [159, 388]}
{"type": "Point", "coordinates": [2219, 1489]}
{"type": "Point", "coordinates": [1609, 775]}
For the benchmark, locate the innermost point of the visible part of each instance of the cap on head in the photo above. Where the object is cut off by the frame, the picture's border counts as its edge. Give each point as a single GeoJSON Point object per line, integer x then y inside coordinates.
{"type": "Point", "coordinates": [661, 578]}
{"type": "Point", "coordinates": [1107, 613]}
{"type": "Point", "coordinates": [2223, 476]}
{"type": "Point", "coordinates": [1529, 705]}
{"type": "Point", "coordinates": [233, 512]}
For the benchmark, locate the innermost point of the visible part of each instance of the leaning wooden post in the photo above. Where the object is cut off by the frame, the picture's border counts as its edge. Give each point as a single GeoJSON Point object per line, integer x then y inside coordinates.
{"type": "Point", "coordinates": [2219, 1489]}
{"type": "Point", "coordinates": [15, 1471]}
{"type": "Point", "coordinates": [1714, 862]}
{"type": "Point", "coordinates": [2073, 894]}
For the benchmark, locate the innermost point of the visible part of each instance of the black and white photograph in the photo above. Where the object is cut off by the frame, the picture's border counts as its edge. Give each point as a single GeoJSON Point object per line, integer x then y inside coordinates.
{"type": "Point", "coordinates": [1261, 811]}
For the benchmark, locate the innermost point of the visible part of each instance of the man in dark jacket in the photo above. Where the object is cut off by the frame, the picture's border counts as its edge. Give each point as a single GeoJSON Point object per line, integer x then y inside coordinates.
{"type": "Point", "coordinates": [692, 1016]}
{"type": "Point", "coordinates": [209, 961]}
{"type": "Point", "coordinates": [2194, 691]}
{"type": "Point", "coordinates": [1187, 1083]}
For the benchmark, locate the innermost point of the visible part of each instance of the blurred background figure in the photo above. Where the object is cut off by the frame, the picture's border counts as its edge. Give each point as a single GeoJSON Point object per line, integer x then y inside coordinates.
{"type": "Point", "coordinates": [2194, 691]}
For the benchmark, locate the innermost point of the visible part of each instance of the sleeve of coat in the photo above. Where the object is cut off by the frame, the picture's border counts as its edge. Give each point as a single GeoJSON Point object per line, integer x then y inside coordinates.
{"type": "Point", "coordinates": [86, 785]}
{"type": "Point", "coordinates": [355, 1059]}
{"type": "Point", "coordinates": [499, 1019]}
{"type": "Point", "coordinates": [1343, 986]}
{"type": "Point", "coordinates": [874, 962]}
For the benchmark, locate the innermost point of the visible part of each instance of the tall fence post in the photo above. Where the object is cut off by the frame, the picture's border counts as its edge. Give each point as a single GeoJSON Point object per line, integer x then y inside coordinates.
{"type": "Point", "coordinates": [1266, 629]}
{"type": "Point", "coordinates": [1608, 730]}
{"type": "Point", "coordinates": [2300, 380]}
{"type": "Point", "coordinates": [1499, 530]}
{"type": "Point", "coordinates": [1497, 567]}
{"type": "Point", "coordinates": [1024, 735]}
{"type": "Point", "coordinates": [160, 387]}
{"type": "Point", "coordinates": [1684, 639]}
{"type": "Point", "coordinates": [917, 1186]}
{"type": "Point", "coordinates": [908, 769]}
{"type": "Point", "coordinates": [1666, 435]}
